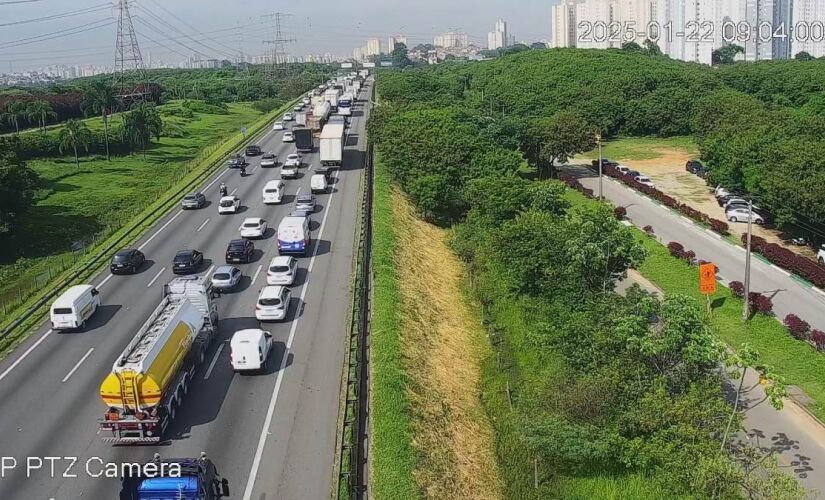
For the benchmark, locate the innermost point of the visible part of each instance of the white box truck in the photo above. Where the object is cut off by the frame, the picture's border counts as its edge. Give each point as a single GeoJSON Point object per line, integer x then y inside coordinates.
{"type": "Point", "coordinates": [332, 144]}
{"type": "Point", "coordinates": [331, 96]}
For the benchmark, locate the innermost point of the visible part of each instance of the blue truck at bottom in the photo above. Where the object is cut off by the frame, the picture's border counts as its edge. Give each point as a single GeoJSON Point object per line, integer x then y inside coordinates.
{"type": "Point", "coordinates": [198, 480]}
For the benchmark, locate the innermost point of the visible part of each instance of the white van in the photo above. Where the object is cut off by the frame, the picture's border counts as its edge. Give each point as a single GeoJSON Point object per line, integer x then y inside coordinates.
{"type": "Point", "coordinates": [293, 235]}
{"type": "Point", "coordinates": [249, 350]}
{"type": "Point", "coordinates": [72, 309]}
{"type": "Point", "coordinates": [318, 183]}
{"type": "Point", "coordinates": [273, 191]}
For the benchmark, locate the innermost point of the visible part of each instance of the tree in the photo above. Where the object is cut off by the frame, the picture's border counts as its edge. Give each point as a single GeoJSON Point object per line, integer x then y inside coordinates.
{"type": "Point", "coordinates": [15, 111]}
{"type": "Point", "coordinates": [652, 48]}
{"type": "Point", "coordinates": [399, 56]}
{"type": "Point", "coordinates": [803, 56]}
{"type": "Point", "coordinates": [99, 97]}
{"type": "Point", "coordinates": [17, 186]}
{"type": "Point", "coordinates": [538, 45]}
{"type": "Point", "coordinates": [75, 134]}
{"type": "Point", "coordinates": [556, 139]}
{"type": "Point", "coordinates": [40, 111]}
{"type": "Point", "coordinates": [141, 124]}
{"type": "Point", "coordinates": [726, 54]}
{"type": "Point", "coordinates": [631, 47]}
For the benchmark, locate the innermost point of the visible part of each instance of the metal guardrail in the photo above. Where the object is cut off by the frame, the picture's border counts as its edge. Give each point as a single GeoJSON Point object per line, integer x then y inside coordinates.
{"type": "Point", "coordinates": [351, 477]}
{"type": "Point", "coordinates": [96, 260]}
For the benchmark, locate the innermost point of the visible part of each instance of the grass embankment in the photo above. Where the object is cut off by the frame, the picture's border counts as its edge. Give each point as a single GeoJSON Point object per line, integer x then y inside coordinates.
{"type": "Point", "coordinates": [643, 148]}
{"type": "Point", "coordinates": [796, 361]}
{"type": "Point", "coordinates": [431, 435]}
{"type": "Point", "coordinates": [77, 205]}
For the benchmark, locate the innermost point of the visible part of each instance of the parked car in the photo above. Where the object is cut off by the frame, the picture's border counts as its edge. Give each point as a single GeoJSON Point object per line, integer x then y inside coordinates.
{"type": "Point", "coordinates": [278, 126]}
{"type": "Point", "coordinates": [740, 214]}
{"type": "Point", "coordinates": [187, 262]}
{"type": "Point", "coordinates": [253, 227]}
{"type": "Point", "coordinates": [193, 201]}
{"type": "Point", "coordinates": [237, 161]}
{"type": "Point", "coordinates": [127, 261]}
{"type": "Point", "coordinates": [288, 137]}
{"type": "Point", "coordinates": [623, 169]}
{"type": "Point", "coordinates": [282, 270]}
{"type": "Point", "coordinates": [633, 174]}
{"type": "Point", "coordinates": [644, 180]}
{"type": "Point", "coordinates": [735, 201]}
{"type": "Point", "coordinates": [820, 255]}
{"type": "Point", "coordinates": [239, 251]}
{"type": "Point", "coordinates": [253, 150]}
{"type": "Point", "coordinates": [605, 163]}
{"type": "Point", "coordinates": [721, 200]}
{"type": "Point", "coordinates": [305, 202]}
{"type": "Point", "coordinates": [695, 167]}
{"type": "Point", "coordinates": [273, 303]}
{"type": "Point", "coordinates": [226, 277]}
{"type": "Point", "coordinates": [293, 160]}
{"type": "Point", "coordinates": [269, 160]}
{"type": "Point", "coordinates": [229, 205]}
{"type": "Point", "coordinates": [719, 192]}
{"type": "Point", "coordinates": [250, 349]}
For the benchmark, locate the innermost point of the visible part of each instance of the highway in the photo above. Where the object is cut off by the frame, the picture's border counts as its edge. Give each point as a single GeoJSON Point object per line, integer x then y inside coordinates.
{"type": "Point", "coordinates": [796, 437]}
{"type": "Point", "coordinates": [272, 435]}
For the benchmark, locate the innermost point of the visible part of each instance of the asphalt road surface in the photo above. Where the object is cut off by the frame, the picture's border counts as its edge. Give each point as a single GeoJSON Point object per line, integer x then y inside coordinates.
{"type": "Point", "coordinates": [272, 435]}
{"type": "Point", "coordinates": [797, 439]}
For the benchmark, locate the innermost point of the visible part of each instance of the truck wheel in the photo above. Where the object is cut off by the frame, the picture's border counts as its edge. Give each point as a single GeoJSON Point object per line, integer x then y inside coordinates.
{"type": "Point", "coordinates": [173, 407]}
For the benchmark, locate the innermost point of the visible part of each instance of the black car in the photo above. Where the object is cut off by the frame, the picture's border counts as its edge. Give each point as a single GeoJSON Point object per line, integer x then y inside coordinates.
{"type": "Point", "coordinates": [193, 200]}
{"type": "Point", "coordinates": [239, 251]}
{"type": "Point", "coordinates": [237, 161]}
{"type": "Point", "coordinates": [127, 261]}
{"type": "Point", "coordinates": [253, 150]}
{"type": "Point", "coordinates": [605, 163]}
{"type": "Point", "coordinates": [695, 167]}
{"type": "Point", "coordinates": [187, 262]}
{"type": "Point", "coordinates": [633, 174]}
{"type": "Point", "coordinates": [324, 170]}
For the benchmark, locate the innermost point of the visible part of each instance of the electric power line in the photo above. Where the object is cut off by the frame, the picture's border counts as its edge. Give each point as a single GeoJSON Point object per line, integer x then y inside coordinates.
{"type": "Point", "coordinates": [191, 27]}
{"type": "Point", "coordinates": [87, 10]}
{"type": "Point", "coordinates": [83, 28]}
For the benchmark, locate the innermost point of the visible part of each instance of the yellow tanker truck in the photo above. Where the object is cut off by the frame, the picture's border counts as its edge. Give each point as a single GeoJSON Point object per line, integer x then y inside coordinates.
{"type": "Point", "coordinates": [150, 378]}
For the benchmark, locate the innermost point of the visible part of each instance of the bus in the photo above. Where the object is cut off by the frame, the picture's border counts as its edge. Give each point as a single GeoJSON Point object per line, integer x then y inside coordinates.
{"type": "Point", "coordinates": [345, 105]}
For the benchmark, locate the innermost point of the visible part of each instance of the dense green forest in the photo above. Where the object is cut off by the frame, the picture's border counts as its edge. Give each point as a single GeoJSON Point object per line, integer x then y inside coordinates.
{"type": "Point", "coordinates": [759, 126]}
{"type": "Point", "coordinates": [600, 387]}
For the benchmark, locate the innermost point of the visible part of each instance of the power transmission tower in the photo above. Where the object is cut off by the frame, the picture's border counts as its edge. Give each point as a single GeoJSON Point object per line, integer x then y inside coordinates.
{"type": "Point", "coordinates": [242, 68]}
{"type": "Point", "coordinates": [128, 58]}
{"type": "Point", "coordinates": [278, 67]}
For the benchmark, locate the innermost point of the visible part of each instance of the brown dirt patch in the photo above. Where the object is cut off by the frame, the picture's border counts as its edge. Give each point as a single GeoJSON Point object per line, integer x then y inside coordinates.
{"type": "Point", "coordinates": [443, 345]}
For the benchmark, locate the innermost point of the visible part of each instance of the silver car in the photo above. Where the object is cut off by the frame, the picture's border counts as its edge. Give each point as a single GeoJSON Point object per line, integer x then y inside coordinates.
{"type": "Point", "coordinates": [305, 202]}
{"type": "Point", "coordinates": [193, 201]}
{"type": "Point", "coordinates": [226, 277]}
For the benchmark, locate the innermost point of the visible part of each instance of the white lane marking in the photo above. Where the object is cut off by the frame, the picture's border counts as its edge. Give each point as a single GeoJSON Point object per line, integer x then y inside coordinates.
{"type": "Point", "coordinates": [256, 462]}
{"type": "Point", "coordinates": [23, 356]}
{"type": "Point", "coordinates": [160, 230]}
{"type": "Point", "coordinates": [233, 192]}
{"type": "Point", "coordinates": [155, 278]}
{"type": "Point", "coordinates": [68, 375]}
{"type": "Point", "coordinates": [203, 225]}
{"type": "Point", "coordinates": [298, 191]}
{"type": "Point", "coordinates": [107, 278]}
{"type": "Point", "coordinates": [818, 290]}
{"type": "Point", "coordinates": [215, 180]}
{"type": "Point", "coordinates": [212, 364]}
{"type": "Point", "coordinates": [257, 271]}
{"type": "Point", "coordinates": [209, 271]}
{"type": "Point", "coordinates": [786, 273]}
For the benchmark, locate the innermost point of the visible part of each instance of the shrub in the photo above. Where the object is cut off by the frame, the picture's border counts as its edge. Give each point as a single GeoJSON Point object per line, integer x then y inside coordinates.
{"type": "Point", "coordinates": [797, 326]}
{"type": "Point", "coordinates": [788, 260]}
{"type": "Point", "coordinates": [620, 212]}
{"type": "Point", "coordinates": [649, 230]}
{"type": "Point", "coordinates": [720, 227]}
{"type": "Point", "coordinates": [675, 248]}
{"type": "Point", "coordinates": [818, 338]}
{"type": "Point", "coordinates": [760, 302]}
{"type": "Point", "coordinates": [737, 288]}
{"type": "Point", "coordinates": [689, 256]}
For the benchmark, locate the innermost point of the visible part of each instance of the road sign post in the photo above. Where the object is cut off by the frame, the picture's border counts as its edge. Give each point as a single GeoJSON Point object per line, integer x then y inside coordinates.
{"type": "Point", "coordinates": [707, 281]}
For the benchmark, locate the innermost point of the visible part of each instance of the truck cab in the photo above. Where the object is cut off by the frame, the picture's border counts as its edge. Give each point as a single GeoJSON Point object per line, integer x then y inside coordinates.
{"type": "Point", "coordinates": [176, 478]}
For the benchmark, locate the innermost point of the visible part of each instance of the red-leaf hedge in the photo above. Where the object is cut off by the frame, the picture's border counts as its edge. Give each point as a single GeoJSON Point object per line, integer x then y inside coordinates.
{"type": "Point", "coordinates": [818, 338]}
{"type": "Point", "coordinates": [760, 302]}
{"type": "Point", "coordinates": [620, 212]}
{"type": "Point", "coordinates": [788, 260]}
{"type": "Point", "coordinates": [737, 288]}
{"type": "Point", "coordinates": [797, 326]}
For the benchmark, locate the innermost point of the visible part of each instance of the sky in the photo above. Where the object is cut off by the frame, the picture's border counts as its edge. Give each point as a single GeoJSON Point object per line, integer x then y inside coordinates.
{"type": "Point", "coordinates": [172, 29]}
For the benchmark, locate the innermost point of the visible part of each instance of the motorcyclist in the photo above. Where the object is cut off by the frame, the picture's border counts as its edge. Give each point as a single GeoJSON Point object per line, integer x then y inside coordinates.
{"type": "Point", "coordinates": [243, 170]}
{"type": "Point", "coordinates": [223, 189]}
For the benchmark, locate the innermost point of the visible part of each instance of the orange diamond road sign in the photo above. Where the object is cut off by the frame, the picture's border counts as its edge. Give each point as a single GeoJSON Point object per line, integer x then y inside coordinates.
{"type": "Point", "coordinates": [707, 278]}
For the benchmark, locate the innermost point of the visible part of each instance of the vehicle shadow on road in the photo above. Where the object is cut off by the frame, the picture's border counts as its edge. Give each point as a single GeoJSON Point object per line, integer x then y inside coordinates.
{"type": "Point", "coordinates": [101, 317]}
{"type": "Point", "coordinates": [353, 159]}
{"type": "Point", "coordinates": [323, 247]}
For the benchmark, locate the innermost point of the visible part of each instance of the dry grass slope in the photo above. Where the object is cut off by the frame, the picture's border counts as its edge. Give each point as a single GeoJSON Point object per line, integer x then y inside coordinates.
{"type": "Point", "coordinates": [443, 345]}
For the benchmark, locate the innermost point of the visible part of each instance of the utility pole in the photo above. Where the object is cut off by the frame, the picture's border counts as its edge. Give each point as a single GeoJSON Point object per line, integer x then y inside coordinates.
{"type": "Point", "coordinates": [599, 142]}
{"type": "Point", "coordinates": [746, 307]}
{"type": "Point", "coordinates": [278, 69]}
{"type": "Point", "coordinates": [128, 58]}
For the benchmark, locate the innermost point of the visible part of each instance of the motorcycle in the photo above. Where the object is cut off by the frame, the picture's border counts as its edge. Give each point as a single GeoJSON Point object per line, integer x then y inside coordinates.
{"type": "Point", "coordinates": [223, 190]}
{"type": "Point", "coordinates": [243, 171]}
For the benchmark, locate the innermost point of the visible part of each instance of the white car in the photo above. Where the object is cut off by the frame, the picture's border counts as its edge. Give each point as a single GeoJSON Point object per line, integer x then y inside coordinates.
{"type": "Point", "coordinates": [298, 108]}
{"type": "Point", "coordinates": [273, 303]}
{"type": "Point", "coordinates": [289, 172]}
{"type": "Point", "coordinates": [288, 117]}
{"type": "Point", "coordinates": [820, 256]}
{"type": "Point", "coordinates": [623, 169]}
{"type": "Point", "coordinates": [282, 270]}
{"type": "Point", "coordinates": [293, 160]}
{"type": "Point", "coordinates": [249, 350]}
{"type": "Point", "coordinates": [278, 126]}
{"type": "Point", "coordinates": [253, 227]}
{"type": "Point", "coordinates": [229, 205]}
{"type": "Point", "coordinates": [288, 137]}
{"type": "Point", "coordinates": [644, 180]}
{"type": "Point", "coordinates": [273, 191]}
{"type": "Point", "coordinates": [740, 214]}
{"type": "Point", "coordinates": [731, 203]}
{"type": "Point", "coordinates": [306, 100]}
{"type": "Point", "coordinates": [720, 192]}
{"type": "Point", "coordinates": [269, 160]}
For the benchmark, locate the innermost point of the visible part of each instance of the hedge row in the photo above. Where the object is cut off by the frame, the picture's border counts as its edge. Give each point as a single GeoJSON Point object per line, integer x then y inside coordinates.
{"type": "Point", "coordinates": [716, 225]}
{"type": "Point", "coordinates": [35, 145]}
{"type": "Point", "coordinates": [575, 184]}
{"type": "Point", "coordinates": [788, 260]}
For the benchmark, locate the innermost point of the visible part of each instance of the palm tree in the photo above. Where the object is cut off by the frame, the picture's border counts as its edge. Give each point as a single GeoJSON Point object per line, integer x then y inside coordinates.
{"type": "Point", "coordinates": [40, 111]}
{"type": "Point", "coordinates": [141, 124]}
{"type": "Point", "coordinates": [16, 111]}
{"type": "Point", "coordinates": [100, 98]}
{"type": "Point", "coordinates": [73, 135]}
